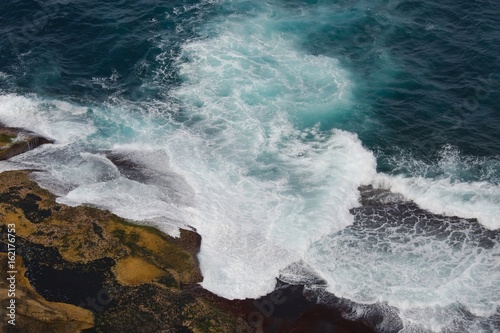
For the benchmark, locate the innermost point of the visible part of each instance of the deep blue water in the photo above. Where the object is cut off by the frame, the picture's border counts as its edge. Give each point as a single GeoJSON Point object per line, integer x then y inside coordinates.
{"type": "Point", "coordinates": [259, 120]}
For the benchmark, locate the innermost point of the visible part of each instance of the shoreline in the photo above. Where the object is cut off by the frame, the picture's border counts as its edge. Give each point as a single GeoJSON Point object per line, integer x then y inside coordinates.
{"type": "Point", "coordinates": [119, 269]}
{"type": "Point", "coordinates": [64, 267]}
{"type": "Point", "coordinates": [79, 271]}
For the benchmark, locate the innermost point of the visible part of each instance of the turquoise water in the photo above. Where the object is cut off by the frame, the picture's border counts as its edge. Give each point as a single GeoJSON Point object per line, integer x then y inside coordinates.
{"type": "Point", "coordinates": [255, 123]}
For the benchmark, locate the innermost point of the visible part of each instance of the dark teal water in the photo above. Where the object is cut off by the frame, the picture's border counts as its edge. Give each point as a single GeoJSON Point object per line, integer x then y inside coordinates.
{"type": "Point", "coordinates": [259, 120]}
{"type": "Point", "coordinates": [427, 72]}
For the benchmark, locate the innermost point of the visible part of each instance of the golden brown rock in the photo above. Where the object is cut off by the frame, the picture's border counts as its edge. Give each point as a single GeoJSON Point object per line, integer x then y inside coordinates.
{"type": "Point", "coordinates": [131, 277]}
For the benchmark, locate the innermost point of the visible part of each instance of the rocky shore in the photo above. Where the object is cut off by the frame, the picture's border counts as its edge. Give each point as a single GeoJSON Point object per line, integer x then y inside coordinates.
{"type": "Point", "coordinates": [81, 269]}
{"type": "Point", "coordinates": [99, 273]}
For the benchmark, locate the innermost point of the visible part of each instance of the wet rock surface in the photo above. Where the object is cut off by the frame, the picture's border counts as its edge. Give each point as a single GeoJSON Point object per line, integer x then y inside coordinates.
{"type": "Point", "coordinates": [15, 141]}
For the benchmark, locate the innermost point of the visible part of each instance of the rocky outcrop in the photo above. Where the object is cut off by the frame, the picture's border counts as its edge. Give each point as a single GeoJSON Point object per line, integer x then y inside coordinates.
{"type": "Point", "coordinates": [98, 272]}
{"type": "Point", "coordinates": [15, 141]}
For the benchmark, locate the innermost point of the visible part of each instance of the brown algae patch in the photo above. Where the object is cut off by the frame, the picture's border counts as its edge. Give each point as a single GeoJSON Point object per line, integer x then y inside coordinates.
{"type": "Point", "coordinates": [134, 271]}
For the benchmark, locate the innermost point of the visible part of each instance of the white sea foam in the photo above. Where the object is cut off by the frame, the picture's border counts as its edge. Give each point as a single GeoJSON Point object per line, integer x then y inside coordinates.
{"type": "Point", "coordinates": [454, 185]}
{"type": "Point", "coordinates": [265, 188]}
{"type": "Point", "coordinates": [252, 225]}
{"type": "Point", "coordinates": [410, 272]}
{"type": "Point", "coordinates": [61, 121]}
{"type": "Point", "coordinates": [479, 200]}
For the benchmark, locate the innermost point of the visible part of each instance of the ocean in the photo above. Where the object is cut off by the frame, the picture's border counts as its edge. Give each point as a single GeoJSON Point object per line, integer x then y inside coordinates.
{"type": "Point", "coordinates": [256, 122]}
